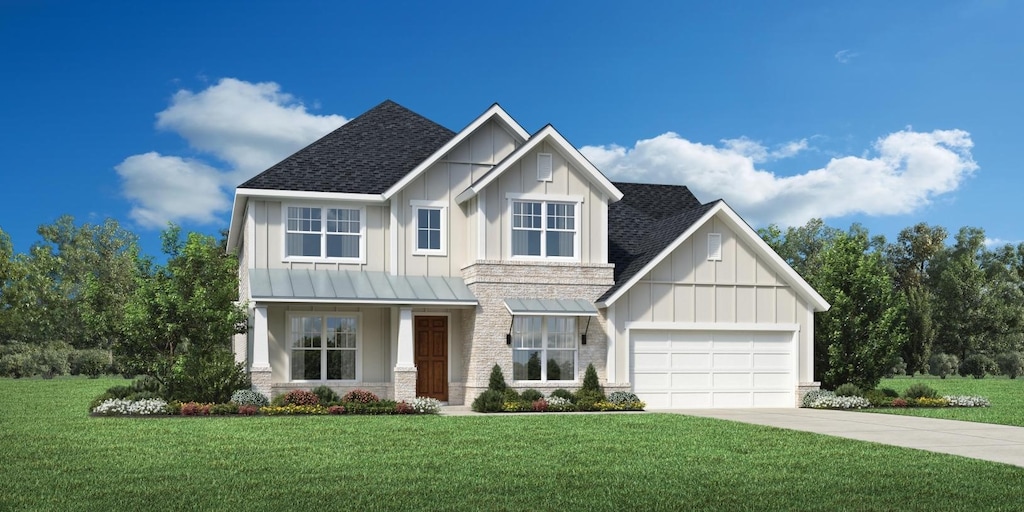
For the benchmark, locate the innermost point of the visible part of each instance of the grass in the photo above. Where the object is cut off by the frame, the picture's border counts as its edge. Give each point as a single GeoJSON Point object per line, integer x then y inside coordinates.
{"type": "Point", "coordinates": [1006, 395]}
{"type": "Point", "coordinates": [55, 457]}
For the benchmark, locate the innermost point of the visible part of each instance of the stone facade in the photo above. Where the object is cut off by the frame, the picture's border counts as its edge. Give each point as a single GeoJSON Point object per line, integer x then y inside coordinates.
{"type": "Point", "coordinates": [405, 384]}
{"type": "Point", "coordinates": [494, 281]}
{"type": "Point", "coordinates": [260, 378]}
{"type": "Point", "coordinates": [803, 389]}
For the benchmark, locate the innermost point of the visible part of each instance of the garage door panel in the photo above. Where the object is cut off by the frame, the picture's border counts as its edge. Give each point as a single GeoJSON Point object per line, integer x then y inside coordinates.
{"type": "Point", "coordinates": [690, 361]}
{"type": "Point", "coordinates": [771, 381]}
{"type": "Point", "coordinates": [772, 361]}
{"type": "Point", "coordinates": [652, 360]}
{"type": "Point", "coordinates": [731, 361]}
{"type": "Point", "coordinates": [700, 381]}
{"type": "Point", "coordinates": [699, 369]}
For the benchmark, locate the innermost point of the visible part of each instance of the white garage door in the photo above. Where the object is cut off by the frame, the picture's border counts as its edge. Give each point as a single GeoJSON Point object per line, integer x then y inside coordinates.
{"type": "Point", "coordinates": [705, 369]}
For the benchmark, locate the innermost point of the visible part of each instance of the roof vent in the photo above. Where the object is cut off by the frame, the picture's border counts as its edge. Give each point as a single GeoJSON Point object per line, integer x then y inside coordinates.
{"type": "Point", "coordinates": [714, 247]}
{"type": "Point", "coordinates": [544, 167]}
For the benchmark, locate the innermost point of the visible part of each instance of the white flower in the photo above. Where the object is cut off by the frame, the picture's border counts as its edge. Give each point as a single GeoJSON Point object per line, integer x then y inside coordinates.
{"type": "Point", "coordinates": [425, 405]}
{"type": "Point", "coordinates": [124, 407]}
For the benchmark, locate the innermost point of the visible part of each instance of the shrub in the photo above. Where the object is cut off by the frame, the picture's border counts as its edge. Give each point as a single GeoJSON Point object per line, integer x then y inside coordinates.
{"type": "Point", "coordinates": [977, 366]}
{"type": "Point", "coordinates": [942, 365]}
{"type": "Point", "coordinates": [967, 401]}
{"type": "Point", "coordinates": [489, 401]}
{"type": "Point", "coordinates": [813, 395]}
{"type": "Point", "coordinates": [224, 409]}
{"type": "Point", "coordinates": [100, 399]}
{"type": "Point", "coordinates": [497, 380]}
{"type": "Point", "coordinates": [248, 410]}
{"type": "Point", "coordinates": [117, 406]}
{"type": "Point", "coordinates": [511, 395]}
{"type": "Point", "coordinates": [517, 406]}
{"type": "Point", "coordinates": [931, 402]}
{"type": "Point", "coordinates": [559, 404]}
{"type": "Point", "coordinates": [590, 381]}
{"type": "Point", "coordinates": [326, 395]}
{"type": "Point", "coordinates": [1010, 364]}
{"type": "Point", "coordinates": [920, 391]}
{"type": "Point", "coordinates": [120, 391]}
{"type": "Point", "coordinates": [381, 407]}
{"type": "Point", "coordinates": [277, 401]}
{"type": "Point", "coordinates": [360, 396]}
{"type": "Point", "coordinates": [531, 395]}
{"type": "Point", "coordinates": [292, 409]}
{"type": "Point", "coordinates": [622, 397]}
{"type": "Point", "coordinates": [540, 405]}
{"type": "Point", "coordinates": [336, 409]}
{"type": "Point", "coordinates": [208, 378]}
{"type": "Point", "coordinates": [889, 392]}
{"type": "Point", "coordinates": [586, 399]}
{"type": "Point", "coordinates": [899, 402]}
{"type": "Point", "coordinates": [147, 384]}
{"type": "Point", "coordinates": [195, 409]}
{"type": "Point", "coordinates": [898, 368]}
{"type": "Point", "coordinates": [877, 398]}
{"type": "Point", "coordinates": [849, 390]}
{"type": "Point", "coordinates": [840, 402]}
{"type": "Point", "coordinates": [244, 397]}
{"type": "Point", "coordinates": [425, 405]}
{"type": "Point", "coordinates": [27, 360]}
{"type": "Point", "coordinates": [564, 394]}
{"type": "Point", "coordinates": [404, 408]}
{"type": "Point", "coordinates": [89, 362]}
{"type": "Point", "coordinates": [174, 407]}
{"type": "Point", "coordinates": [300, 397]}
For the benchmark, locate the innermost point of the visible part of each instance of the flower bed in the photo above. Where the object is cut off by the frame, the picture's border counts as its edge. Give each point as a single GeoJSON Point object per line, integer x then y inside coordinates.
{"type": "Point", "coordinates": [920, 396]}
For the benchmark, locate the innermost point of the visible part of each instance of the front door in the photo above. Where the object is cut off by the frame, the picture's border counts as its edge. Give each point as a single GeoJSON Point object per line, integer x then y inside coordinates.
{"type": "Point", "coordinates": [432, 357]}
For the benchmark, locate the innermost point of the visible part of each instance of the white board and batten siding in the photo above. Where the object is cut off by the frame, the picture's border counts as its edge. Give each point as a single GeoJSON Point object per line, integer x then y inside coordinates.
{"type": "Point", "coordinates": [713, 326]}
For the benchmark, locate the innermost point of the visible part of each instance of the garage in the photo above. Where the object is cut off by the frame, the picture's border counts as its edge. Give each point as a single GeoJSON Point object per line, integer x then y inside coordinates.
{"type": "Point", "coordinates": [714, 368]}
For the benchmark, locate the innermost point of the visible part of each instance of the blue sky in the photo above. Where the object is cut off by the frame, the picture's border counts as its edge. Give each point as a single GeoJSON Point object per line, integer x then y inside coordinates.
{"type": "Point", "coordinates": [884, 113]}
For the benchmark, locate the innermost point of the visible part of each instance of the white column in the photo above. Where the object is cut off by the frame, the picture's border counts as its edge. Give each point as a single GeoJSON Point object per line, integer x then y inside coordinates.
{"type": "Point", "coordinates": [260, 340]}
{"type": "Point", "coordinates": [405, 340]}
{"type": "Point", "coordinates": [807, 354]}
{"type": "Point", "coordinates": [610, 328]}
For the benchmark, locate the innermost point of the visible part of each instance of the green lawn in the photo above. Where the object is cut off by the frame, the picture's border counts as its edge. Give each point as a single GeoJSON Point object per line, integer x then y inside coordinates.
{"type": "Point", "coordinates": [1006, 395]}
{"type": "Point", "coordinates": [55, 457]}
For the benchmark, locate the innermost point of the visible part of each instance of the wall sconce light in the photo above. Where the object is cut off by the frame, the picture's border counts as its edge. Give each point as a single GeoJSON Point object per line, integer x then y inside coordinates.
{"type": "Point", "coordinates": [583, 338]}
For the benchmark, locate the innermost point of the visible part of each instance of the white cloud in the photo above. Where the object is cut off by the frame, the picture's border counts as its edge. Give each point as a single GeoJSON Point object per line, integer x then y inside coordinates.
{"type": "Point", "coordinates": [996, 243]}
{"type": "Point", "coordinates": [844, 56]}
{"type": "Point", "coordinates": [246, 127]}
{"type": "Point", "coordinates": [908, 170]}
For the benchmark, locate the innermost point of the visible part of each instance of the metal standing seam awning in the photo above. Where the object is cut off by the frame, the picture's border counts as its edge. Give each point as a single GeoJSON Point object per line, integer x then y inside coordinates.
{"type": "Point", "coordinates": [551, 307]}
{"type": "Point", "coordinates": [356, 287]}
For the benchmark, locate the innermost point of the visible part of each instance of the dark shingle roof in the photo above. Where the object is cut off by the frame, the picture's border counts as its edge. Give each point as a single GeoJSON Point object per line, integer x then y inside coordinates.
{"type": "Point", "coordinates": [645, 222]}
{"type": "Point", "coordinates": [365, 156]}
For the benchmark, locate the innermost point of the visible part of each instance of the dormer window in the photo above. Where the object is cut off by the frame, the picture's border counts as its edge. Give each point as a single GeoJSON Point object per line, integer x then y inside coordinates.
{"type": "Point", "coordinates": [314, 232]}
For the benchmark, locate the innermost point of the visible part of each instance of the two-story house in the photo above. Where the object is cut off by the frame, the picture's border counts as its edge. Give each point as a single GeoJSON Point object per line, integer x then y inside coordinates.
{"type": "Point", "coordinates": [397, 256]}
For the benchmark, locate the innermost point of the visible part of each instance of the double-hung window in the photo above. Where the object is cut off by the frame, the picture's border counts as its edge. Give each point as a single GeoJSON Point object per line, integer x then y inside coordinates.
{"type": "Point", "coordinates": [544, 348]}
{"type": "Point", "coordinates": [319, 232]}
{"type": "Point", "coordinates": [323, 347]}
{"type": "Point", "coordinates": [429, 228]}
{"type": "Point", "coordinates": [546, 229]}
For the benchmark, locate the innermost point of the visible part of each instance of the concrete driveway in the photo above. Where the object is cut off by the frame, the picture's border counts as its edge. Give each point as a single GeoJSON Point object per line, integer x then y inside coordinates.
{"type": "Point", "coordinates": [996, 443]}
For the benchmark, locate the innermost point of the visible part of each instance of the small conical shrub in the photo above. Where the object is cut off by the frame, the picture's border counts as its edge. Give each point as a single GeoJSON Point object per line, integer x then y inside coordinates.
{"type": "Point", "coordinates": [497, 382]}
{"type": "Point", "coordinates": [590, 382]}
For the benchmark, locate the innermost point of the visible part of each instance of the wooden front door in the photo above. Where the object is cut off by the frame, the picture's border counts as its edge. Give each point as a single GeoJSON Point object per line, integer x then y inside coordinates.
{"type": "Point", "coordinates": [432, 357]}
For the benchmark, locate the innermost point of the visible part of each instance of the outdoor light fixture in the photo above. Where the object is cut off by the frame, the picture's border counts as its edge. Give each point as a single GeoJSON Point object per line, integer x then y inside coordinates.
{"type": "Point", "coordinates": [583, 338]}
{"type": "Point", "coordinates": [508, 337]}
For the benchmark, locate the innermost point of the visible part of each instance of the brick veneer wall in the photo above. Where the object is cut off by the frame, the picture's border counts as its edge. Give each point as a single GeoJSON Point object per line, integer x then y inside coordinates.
{"type": "Point", "coordinates": [494, 281]}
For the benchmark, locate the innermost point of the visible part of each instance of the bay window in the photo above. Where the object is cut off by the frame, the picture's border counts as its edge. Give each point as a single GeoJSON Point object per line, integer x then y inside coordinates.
{"type": "Point", "coordinates": [544, 348]}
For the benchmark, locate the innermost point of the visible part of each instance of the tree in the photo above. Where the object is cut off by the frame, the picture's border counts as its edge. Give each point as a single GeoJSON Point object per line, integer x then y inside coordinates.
{"type": "Point", "coordinates": [910, 258]}
{"type": "Point", "coordinates": [801, 247]}
{"type": "Point", "coordinates": [184, 309]}
{"type": "Point", "coordinates": [856, 341]}
{"type": "Point", "coordinates": [959, 287]}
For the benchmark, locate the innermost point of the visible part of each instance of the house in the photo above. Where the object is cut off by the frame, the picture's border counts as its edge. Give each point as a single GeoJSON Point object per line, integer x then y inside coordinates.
{"type": "Point", "coordinates": [398, 256]}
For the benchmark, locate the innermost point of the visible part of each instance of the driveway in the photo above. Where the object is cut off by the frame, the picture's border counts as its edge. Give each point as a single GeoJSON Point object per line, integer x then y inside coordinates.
{"type": "Point", "coordinates": [996, 443]}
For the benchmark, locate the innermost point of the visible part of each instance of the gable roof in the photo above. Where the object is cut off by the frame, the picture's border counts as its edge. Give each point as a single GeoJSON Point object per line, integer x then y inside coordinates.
{"type": "Point", "coordinates": [653, 220]}
{"type": "Point", "coordinates": [549, 134]}
{"type": "Point", "coordinates": [367, 155]}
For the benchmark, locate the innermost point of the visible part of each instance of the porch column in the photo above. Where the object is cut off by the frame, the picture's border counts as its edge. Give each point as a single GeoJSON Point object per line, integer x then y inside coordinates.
{"type": "Point", "coordinates": [405, 367]}
{"type": "Point", "coordinates": [260, 370]}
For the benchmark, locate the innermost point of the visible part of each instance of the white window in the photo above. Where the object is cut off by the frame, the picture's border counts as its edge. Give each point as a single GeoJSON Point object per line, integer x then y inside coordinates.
{"type": "Point", "coordinates": [545, 229]}
{"type": "Point", "coordinates": [430, 222]}
{"type": "Point", "coordinates": [319, 232]}
{"type": "Point", "coordinates": [323, 347]}
{"type": "Point", "coordinates": [544, 348]}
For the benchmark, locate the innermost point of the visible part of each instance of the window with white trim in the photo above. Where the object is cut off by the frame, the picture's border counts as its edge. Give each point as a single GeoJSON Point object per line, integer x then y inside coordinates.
{"type": "Point", "coordinates": [323, 347]}
{"type": "Point", "coordinates": [429, 229]}
{"type": "Point", "coordinates": [544, 348]}
{"type": "Point", "coordinates": [545, 229]}
{"type": "Point", "coordinates": [318, 232]}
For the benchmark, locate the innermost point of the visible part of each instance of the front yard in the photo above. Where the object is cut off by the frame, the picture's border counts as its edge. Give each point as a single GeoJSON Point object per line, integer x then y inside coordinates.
{"type": "Point", "coordinates": [57, 458]}
{"type": "Point", "coordinates": [1006, 395]}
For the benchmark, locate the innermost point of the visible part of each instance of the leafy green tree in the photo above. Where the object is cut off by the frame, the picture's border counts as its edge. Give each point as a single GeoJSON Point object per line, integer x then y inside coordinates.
{"type": "Point", "coordinates": [186, 307]}
{"type": "Point", "coordinates": [857, 340]}
{"type": "Point", "coordinates": [910, 258]}
{"type": "Point", "coordinates": [959, 287]}
{"type": "Point", "coordinates": [801, 247]}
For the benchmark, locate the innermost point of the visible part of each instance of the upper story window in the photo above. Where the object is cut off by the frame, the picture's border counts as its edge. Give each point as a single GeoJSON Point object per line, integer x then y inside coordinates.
{"type": "Point", "coordinates": [545, 229]}
{"type": "Point", "coordinates": [429, 228]}
{"type": "Point", "coordinates": [318, 232]}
